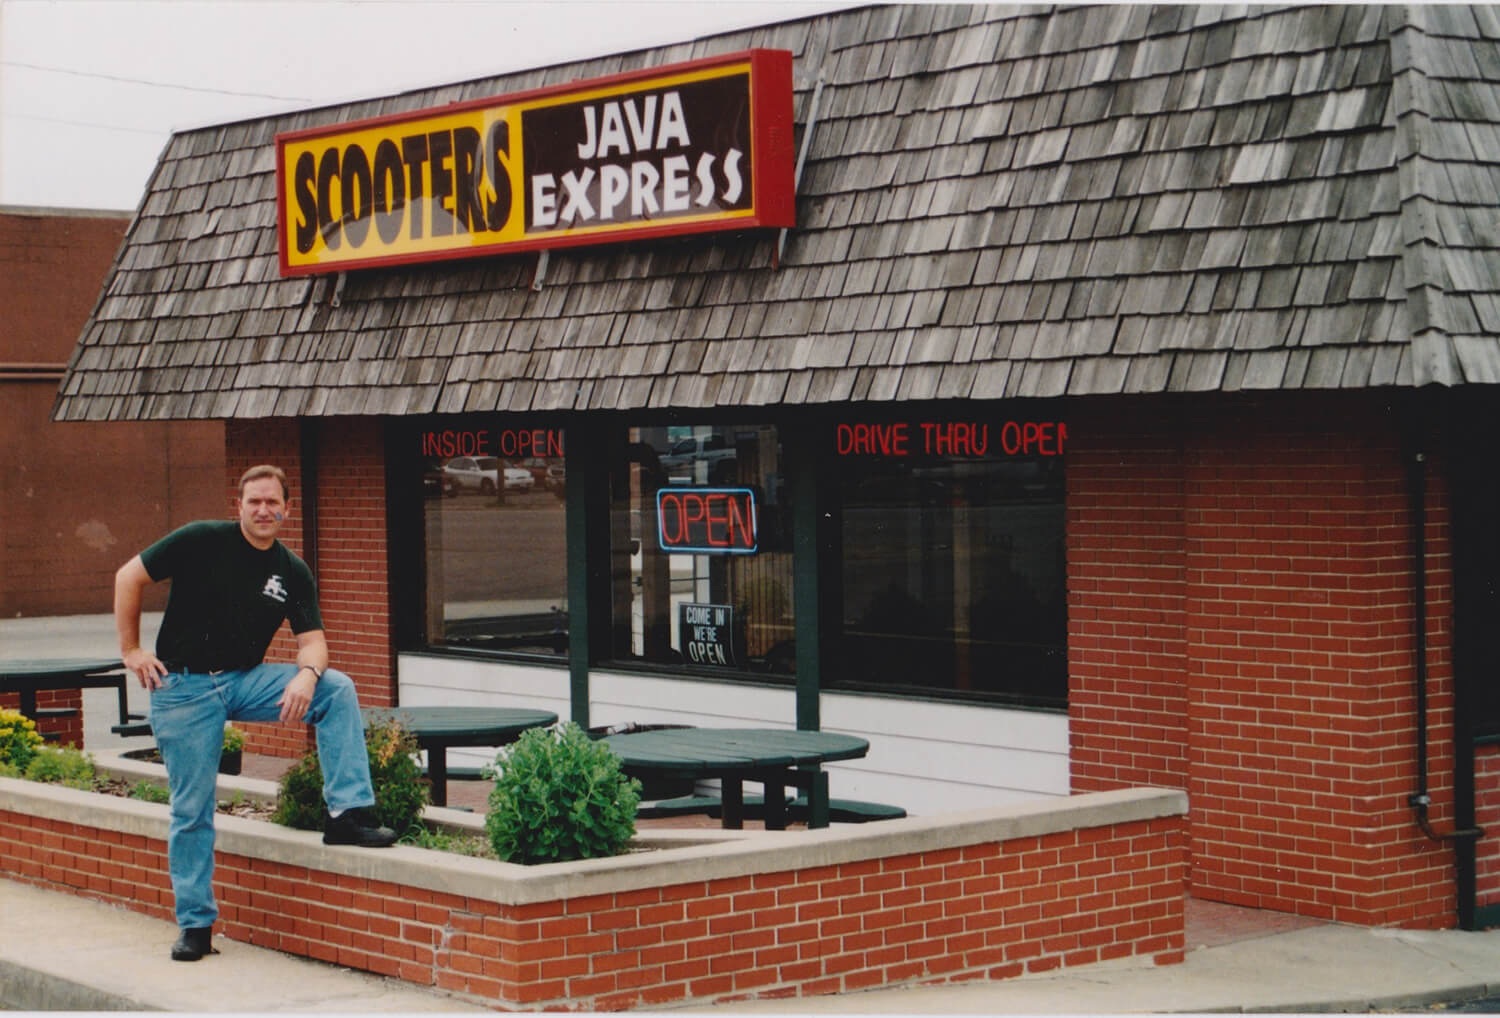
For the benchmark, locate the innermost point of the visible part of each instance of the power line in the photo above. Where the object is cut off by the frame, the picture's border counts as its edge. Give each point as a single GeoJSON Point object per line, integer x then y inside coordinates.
{"type": "Point", "coordinates": [84, 123]}
{"type": "Point", "coordinates": [152, 84]}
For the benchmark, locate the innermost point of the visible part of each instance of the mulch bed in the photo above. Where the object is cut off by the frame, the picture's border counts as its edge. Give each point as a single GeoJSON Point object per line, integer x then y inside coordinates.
{"type": "Point", "coordinates": [122, 788]}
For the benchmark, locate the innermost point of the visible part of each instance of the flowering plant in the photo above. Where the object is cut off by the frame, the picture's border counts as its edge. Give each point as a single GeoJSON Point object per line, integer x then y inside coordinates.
{"type": "Point", "coordinates": [18, 739]}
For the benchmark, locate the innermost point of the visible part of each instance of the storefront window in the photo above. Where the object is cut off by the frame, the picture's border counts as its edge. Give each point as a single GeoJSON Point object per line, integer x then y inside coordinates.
{"type": "Point", "coordinates": [952, 564]}
{"type": "Point", "coordinates": [701, 548]}
{"type": "Point", "coordinates": [496, 538]}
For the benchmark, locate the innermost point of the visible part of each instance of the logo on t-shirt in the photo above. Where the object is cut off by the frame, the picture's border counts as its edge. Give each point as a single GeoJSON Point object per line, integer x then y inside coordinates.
{"type": "Point", "coordinates": [274, 589]}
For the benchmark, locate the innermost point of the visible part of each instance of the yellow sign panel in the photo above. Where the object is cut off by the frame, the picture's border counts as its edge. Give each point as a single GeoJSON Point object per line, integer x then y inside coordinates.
{"type": "Point", "coordinates": [702, 146]}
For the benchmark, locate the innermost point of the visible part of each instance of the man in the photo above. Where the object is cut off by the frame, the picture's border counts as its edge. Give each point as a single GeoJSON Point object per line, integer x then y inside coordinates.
{"type": "Point", "coordinates": [233, 584]}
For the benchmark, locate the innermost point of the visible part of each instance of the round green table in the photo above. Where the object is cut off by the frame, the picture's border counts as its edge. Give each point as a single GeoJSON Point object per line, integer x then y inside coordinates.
{"type": "Point", "coordinates": [774, 757]}
{"type": "Point", "coordinates": [438, 728]}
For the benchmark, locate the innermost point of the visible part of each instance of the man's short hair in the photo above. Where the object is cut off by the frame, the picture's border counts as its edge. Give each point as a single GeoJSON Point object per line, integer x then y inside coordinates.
{"type": "Point", "coordinates": [255, 473]}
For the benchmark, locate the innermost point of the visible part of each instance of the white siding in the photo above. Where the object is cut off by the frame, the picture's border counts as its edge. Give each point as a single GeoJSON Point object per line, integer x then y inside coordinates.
{"type": "Point", "coordinates": [926, 757]}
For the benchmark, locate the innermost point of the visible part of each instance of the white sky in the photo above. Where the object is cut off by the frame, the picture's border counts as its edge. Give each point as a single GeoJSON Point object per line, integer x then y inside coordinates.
{"type": "Point", "coordinates": [91, 89]}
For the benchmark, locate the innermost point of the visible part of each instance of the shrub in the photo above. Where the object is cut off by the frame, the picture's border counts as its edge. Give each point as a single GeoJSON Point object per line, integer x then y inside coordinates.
{"type": "Point", "coordinates": [18, 739]}
{"type": "Point", "coordinates": [234, 739]}
{"type": "Point", "coordinates": [559, 795]}
{"type": "Point", "coordinates": [400, 792]}
{"type": "Point", "coordinates": [299, 799]}
{"type": "Point", "coordinates": [63, 766]}
{"type": "Point", "coordinates": [149, 791]}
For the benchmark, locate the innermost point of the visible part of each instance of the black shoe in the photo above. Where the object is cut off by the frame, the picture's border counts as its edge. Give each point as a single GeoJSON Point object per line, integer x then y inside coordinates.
{"type": "Point", "coordinates": [357, 827]}
{"type": "Point", "coordinates": [193, 944]}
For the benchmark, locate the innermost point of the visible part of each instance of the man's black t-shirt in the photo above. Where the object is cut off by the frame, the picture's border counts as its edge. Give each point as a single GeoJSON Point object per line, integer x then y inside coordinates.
{"type": "Point", "coordinates": [228, 597]}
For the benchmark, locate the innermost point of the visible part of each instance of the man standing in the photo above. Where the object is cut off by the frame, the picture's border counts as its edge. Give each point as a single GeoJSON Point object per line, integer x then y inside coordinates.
{"type": "Point", "coordinates": [233, 584]}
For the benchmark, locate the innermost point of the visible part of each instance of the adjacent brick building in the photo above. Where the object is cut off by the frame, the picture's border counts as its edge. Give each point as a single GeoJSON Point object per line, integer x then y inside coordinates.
{"type": "Point", "coordinates": [83, 497]}
{"type": "Point", "coordinates": [1117, 412]}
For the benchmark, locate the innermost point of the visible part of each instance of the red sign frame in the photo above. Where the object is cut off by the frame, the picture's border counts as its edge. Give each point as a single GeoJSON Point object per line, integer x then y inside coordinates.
{"type": "Point", "coordinates": [482, 157]}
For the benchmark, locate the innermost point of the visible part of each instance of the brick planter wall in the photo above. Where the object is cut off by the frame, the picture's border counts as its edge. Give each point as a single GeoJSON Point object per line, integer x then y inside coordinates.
{"type": "Point", "coordinates": [980, 895]}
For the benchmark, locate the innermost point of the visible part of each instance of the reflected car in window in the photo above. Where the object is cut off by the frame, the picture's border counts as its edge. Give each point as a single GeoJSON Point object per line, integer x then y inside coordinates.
{"type": "Point", "coordinates": [470, 473]}
{"type": "Point", "coordinates": [483, 474]}
{"type": "Point", "coordinates": [436, 483]}
{"type": "Point", "coordinates": [518, 479]}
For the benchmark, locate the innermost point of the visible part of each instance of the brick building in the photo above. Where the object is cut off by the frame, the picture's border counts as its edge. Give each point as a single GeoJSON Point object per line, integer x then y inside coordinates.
{"type": "Point", "coordinates": [66, 526]}
{"type": "Point", "coordinates": [1117, 412]}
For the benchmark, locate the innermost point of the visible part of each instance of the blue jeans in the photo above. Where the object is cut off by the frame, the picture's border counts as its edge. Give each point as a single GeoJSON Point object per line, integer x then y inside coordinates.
{"type": "Point", "coordinates": [187, 717]}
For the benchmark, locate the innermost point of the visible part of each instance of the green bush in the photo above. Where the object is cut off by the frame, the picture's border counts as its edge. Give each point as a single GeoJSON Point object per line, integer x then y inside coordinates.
{"type": "Point", "coordinates": [299, 799]}
{"type": "Point", "coordinates": [400, 792]}
{"type": "Point", "coordinates": [149, 791]}
{"type": "Point", "coordinates": [19, 740]}
{"type": "Point", "coordinates": [559, 795]}
{"type": "Point", "coordinates": [63, 766]}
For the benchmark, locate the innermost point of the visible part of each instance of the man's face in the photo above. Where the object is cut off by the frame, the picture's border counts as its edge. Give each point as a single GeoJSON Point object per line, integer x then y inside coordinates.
{"type": "Point", "coordinates": [262, 508]}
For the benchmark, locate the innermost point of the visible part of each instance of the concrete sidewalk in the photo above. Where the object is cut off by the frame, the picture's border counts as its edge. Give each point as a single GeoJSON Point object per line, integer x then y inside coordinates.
{"type": "Point", "coordinates": [60, 952]}
{"type": "Point", "coordinates": [79, 955]}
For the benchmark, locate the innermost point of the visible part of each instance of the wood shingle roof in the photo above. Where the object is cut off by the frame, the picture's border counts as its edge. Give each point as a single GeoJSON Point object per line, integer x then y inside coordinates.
{"type": "Point", "coordinates": [997, 202]}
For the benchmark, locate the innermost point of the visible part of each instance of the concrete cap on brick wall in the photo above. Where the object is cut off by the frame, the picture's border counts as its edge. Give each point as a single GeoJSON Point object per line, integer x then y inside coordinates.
{"type": "Point", "coordinates": [697, 855]}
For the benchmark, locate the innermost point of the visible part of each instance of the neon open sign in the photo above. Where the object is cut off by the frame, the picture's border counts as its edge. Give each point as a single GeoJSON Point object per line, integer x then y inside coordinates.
{"type": "Point", "coordinates": [706, 521]}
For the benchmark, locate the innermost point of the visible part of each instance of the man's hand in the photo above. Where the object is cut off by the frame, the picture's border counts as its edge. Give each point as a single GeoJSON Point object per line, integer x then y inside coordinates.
{"type": "Point", "coordinates": [297, 697]}
{"type": "Point", "coordinates": [146, 667]}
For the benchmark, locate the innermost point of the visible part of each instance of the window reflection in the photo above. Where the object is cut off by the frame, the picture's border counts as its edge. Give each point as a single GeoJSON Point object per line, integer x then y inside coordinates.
{"type": "Point", "coordinates": [496, 553]}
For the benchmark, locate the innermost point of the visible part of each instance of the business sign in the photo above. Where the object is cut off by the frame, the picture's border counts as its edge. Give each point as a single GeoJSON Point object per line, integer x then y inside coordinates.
{"type": "Point", "coordinates": [705, 634]}
{"type": "Point", "coordinates": [970, 439]}
{"type": "Point", "coordinates": [689, 148]}
{"type": "Point", "coordinates": [513, 443]}
{"type": "Point", "coordinates": [706, 521]}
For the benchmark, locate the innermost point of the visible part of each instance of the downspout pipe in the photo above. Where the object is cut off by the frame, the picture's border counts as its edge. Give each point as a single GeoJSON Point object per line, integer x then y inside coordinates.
{"type": "Point", "coordinates": [1421, 799]}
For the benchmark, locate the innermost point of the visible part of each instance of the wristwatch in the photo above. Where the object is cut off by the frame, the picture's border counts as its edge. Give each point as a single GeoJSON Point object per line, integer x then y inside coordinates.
{"type": "Point", "coordinates": [316, 674]}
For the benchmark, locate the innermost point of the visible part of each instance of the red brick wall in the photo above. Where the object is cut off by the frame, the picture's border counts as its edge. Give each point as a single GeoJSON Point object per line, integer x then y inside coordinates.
{"type": "Point", "coordinates": [351, 559]}
{"type": "Point", "coordinates": [52, 265]}
{"type": "Point", "coordinates": [1127, 609]}
{"type": "Point", "coordinates": [352, 566]}
{"type": "Point", "coordinates": [1294, 700]}
{"type": "Point", "coordinates": [992, 911]}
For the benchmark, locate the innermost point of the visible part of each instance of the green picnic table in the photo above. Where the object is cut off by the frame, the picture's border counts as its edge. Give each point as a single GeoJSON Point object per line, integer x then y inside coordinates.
{"type": "Point", "coordinates": [27, 677]}
{"type": "Point", "coordinates": [438, 728]}
{"type": "Point", "coordinates": [774, 757]}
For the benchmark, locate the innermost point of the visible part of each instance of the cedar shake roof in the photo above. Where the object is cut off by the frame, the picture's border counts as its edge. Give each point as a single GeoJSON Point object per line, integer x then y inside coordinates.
{"type": "Point", "coordinates": [997, 202]}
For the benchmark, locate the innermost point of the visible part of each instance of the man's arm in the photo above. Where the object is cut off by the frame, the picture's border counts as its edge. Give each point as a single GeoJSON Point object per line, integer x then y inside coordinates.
{"type": "Point", "coordinates": [312, 660]}
{"type": "Point", "coordinates": [131, 580]}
